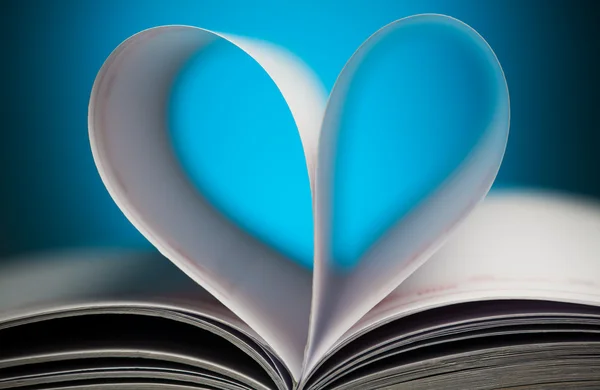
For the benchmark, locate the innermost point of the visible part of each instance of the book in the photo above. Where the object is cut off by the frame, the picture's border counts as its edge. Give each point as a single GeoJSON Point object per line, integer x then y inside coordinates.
{"type": "Point", "coordinates": [465, 290]}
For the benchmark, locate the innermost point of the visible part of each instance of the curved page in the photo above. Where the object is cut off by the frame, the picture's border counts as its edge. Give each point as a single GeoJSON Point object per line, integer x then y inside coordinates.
{"type": "Point", "coordinates": [131, 149]}
{"type": "Point", "coordinates": [341, 297]}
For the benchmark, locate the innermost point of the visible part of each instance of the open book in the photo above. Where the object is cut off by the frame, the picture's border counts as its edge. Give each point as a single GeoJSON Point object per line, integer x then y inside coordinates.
{"type": "Point", "coordinates": [455, 294]}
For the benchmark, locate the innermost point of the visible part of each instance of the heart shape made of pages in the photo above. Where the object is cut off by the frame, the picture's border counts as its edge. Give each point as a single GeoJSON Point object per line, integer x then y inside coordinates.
{"type": "Point", "coordinates": [409, 141]}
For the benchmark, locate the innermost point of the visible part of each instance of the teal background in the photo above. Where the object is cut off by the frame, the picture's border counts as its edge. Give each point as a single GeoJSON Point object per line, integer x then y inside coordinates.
{"type": "Point", "coordinates": [51, 195]}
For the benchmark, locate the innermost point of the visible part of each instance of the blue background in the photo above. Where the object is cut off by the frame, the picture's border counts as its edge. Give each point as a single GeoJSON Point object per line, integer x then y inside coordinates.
{"type": "Point", "coordinates": [52, 197]}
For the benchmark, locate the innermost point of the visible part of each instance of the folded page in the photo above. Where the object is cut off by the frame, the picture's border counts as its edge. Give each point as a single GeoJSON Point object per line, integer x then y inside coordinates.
{"type": "Point", "coordinates": [438, 51]}
{"type": "Point", "coordinates": [131, 149]}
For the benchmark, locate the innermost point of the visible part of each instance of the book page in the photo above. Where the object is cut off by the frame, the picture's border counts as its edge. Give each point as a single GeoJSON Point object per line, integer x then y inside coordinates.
{"type": "Point", "coordinates": [52, 281]}
{"type": "Point", "coordinates": [519, 245]}
{"type": "Point", "coordinates": [342, 297]}
{"type": "Point", "coordinates": [126, 292]}
{"type": "Point", "coordinates": [131, 149]}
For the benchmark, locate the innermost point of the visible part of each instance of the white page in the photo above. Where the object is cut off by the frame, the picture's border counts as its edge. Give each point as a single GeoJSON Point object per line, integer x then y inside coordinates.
{"type": "Point", "coordinates": [131, 149]}
{"type": "Point", "coordinates": [341, 299]}
{"type": "Point", "coordinates": [519, 245]}
{"type": "Point", "coordinates": [54, 280]}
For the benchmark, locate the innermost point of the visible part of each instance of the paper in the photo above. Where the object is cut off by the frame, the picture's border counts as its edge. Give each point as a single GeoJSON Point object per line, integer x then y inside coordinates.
{"type": "Point", "coordinates": [342, 298]}
{"type": "Point", "coordinates": [136, 162]}
{"type": "Point", "coordinates": [94, 286]}
{"type": "Point", "coordinates": [521, 245]}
